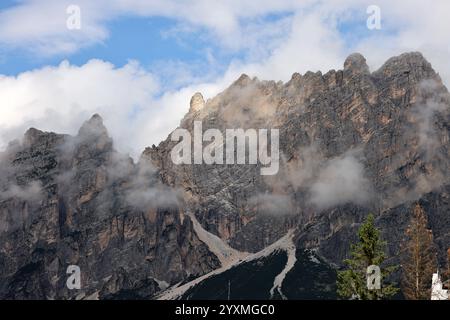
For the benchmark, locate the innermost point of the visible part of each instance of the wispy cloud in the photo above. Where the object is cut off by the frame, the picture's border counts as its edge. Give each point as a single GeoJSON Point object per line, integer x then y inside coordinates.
{"type": "Point", "coordinates": [341, 180]}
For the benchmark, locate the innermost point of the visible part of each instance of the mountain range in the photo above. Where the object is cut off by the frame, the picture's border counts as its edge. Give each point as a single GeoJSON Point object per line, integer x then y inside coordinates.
{"type": "Point", "coordinates": [352, 142]}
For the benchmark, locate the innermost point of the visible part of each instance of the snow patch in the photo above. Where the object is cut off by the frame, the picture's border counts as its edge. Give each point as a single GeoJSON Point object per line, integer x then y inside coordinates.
{"type": "Point", "coordinates": [285, 243]}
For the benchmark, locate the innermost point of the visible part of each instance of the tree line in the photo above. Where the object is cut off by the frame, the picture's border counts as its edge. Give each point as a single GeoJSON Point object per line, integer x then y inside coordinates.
{"type": "Point", "coordinates": [418, 262]}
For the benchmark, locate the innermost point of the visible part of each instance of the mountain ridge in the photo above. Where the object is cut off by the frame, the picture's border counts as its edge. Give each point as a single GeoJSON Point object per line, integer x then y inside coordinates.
{"type": "Point", "coordinates": [352, 142]}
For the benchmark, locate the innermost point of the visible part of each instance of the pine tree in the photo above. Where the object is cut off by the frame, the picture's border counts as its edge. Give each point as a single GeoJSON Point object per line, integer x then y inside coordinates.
{"type": "Point", "coordinates": [448, 263]}
{"type": "Point", "coordinates": [447, 282]}
{"type": "Point", "coordinates": [419, 262]}
{"type": "Point", "coordinates": [352, 283]}
{"type": "Point", "coordinates": [446, 273]}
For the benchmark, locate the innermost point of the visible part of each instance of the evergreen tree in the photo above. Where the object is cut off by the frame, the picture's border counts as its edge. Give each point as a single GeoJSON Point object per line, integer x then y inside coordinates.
{"type": "Point", "coordinates": [352, 283]}
{"type": "Point", "coordinates": [448, 264]}
{"type": "Point", "coordinates": [419, 262]}
{"type": "Point", "coordinates": [446, 274]}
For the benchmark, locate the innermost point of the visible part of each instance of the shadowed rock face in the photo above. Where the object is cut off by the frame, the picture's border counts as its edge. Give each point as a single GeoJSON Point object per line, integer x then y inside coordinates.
{"type": "Point", "coordinates": [86, 215]}
{"type": "Point", "coordinates": [351, 142]}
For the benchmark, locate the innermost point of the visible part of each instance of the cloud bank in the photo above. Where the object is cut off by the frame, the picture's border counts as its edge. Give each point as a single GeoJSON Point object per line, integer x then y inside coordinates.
{"type": "Point", "coordinates": [61, 98]}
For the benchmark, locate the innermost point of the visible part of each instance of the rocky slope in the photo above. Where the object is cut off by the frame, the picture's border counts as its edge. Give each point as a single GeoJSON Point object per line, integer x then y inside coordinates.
{"type": "Point", "coordinates": [351, 142]}
{"type": "Point", "coordinates": [75, 201]}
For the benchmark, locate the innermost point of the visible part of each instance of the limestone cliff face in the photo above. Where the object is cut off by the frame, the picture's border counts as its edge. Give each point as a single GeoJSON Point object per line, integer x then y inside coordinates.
{"type": "Point", "coordinates": [392, 124]}
{"type": "Point", "coordinates": [352, 142]}
{"type": "Point", "coordinates": [90, 209]}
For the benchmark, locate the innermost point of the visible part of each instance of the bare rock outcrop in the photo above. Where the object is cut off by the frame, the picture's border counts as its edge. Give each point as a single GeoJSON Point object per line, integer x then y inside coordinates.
{"type": "Point", "coordinates": [352, 142]}
{"type": "Point", "coordinates": [197, 103]}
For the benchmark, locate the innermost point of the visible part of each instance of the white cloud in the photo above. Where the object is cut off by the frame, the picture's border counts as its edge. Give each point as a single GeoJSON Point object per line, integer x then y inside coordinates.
{"type": "Point", "coordinates": [61, 98]}
{"type": "Point", "coordinates": [141, 195]}
{"type": "Point", "coordinates": [342, 180]}
{"type": "Point", "coordinates": [42, 26]}
{"type": "Point", "coordinates": [237, 24]}
{"type": "Point", "coordinates": [272, 204]}
{"type": "Point", "coordinates": [31, 192]}
{"type": "Point", "coordinates": [312, 45]}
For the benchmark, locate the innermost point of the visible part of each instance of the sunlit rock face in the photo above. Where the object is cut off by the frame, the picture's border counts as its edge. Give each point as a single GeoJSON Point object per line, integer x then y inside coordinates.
{"type": "Point", "coordinates": [352, 141]}
{"type": "Point", "coordinates": [76, 201]}
{"type": "Point", "coordinates": [356, 63]}
{"type": "Point", "coordinates": [197, 102]}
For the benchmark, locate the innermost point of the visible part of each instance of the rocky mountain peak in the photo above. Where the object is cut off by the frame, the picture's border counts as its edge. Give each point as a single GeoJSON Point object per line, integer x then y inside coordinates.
{"type": "Point", "coordinates": [37, 138]}
{"type": "Point", "coordinates": [296, 76]}
{"type": "Point", "coordinates": [93, 127]}
{"type": "Point", "coordinates": [93, 138]}
{"type": "Point", "coordinates": [197, 102]}
{"type": "Point", "coordinates": [408, 59]}
{"type": "Point", "coordinates": [412, 65]}
{"type": "Point", "coordinates": [323, 118]}
{"type": "Point", "coordinates": [352, 142]}
{"type": "Point", "coordinates": [242, 81]}
{"type": "Point", "coordinates": [356, 63]}
{"type": "Point", "coordinates": [32, 135]}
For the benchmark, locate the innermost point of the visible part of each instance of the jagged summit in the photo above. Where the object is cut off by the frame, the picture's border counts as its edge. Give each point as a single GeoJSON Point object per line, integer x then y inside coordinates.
{"type": "Point", "coordinates": [32, 133]}
{"type": "Point", "coordinates": [351, 143]}
{"type": "Point", "coordinates": [332, 113]}
{"type": "Point", "coordinates": [414, 58]}
{"type": "Point", "coordinates": [197, 102]}
{"type": "Point", "coordinates": [243, 80]}
{"type": "Point", "coordinates": [93, 138]}
{"type": "Point", "coordinates": [410, 61]}
{"type": "Point", "coordinates": [96, 117]}
{"type": "Point", "coordinates": [34, 136]}
{"type": "Point", "coordinates": [296, 76]}
{"type": "Point", "coordinates": [93, 127]}
{"type": "Point", "coordinates": [356, 62]}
